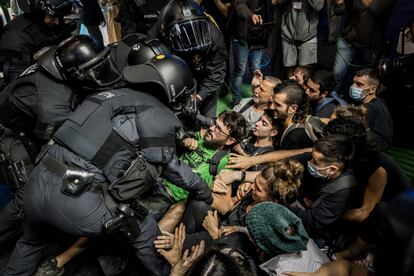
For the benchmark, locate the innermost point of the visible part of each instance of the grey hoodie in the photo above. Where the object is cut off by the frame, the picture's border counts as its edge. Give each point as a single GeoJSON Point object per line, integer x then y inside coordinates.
{"type": "Point", "coordinates": [300, 19]}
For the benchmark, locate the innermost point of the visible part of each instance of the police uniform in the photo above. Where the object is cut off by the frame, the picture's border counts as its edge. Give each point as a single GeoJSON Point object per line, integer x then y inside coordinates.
{"type": "Point", "coordinates": [33, 104]}
{"type": "Point", "coordinates": [138, 16]}
{"type": "Point", "coordinates": [101, 138]}
{"type": "Point", "coordinates": [208, 63]}
{"type": "Point", "coordinates": [21, 39]}
{"type": "Point", "coordinates": [209, 70]}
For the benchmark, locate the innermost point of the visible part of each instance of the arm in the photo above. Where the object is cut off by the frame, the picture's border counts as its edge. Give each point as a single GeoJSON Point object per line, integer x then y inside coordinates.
{"type": "Point", "coordinates": [242, 9]}
{"type": "Point", "coordinates": [21, 43]}
{"type": "Point", "coordinates": [245, 162]}
{"type": "Point", "coordinates": [223, 8]}
{"type": "Point", "coordinates": [215, 66]}
{"type": "Point", "coordinates": [331, 209]}
{"type": "Point", "coordinates": [180, 174]}
{"type": "Point", "coordinates": [338, 7]}
{"type": "Point", "coordinates": [378, 7]}
{"type": "Point", "coordinates": [372, 195]}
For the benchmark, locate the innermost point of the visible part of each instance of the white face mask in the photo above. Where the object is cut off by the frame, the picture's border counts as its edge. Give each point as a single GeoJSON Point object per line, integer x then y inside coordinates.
{"type": "Point", "coordinates": [357, 93]}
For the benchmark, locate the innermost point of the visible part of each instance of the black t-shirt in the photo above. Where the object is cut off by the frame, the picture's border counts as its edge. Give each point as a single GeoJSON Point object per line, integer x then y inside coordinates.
{"type": "Point", "coordinates": [380, 121]}
{"type": "Point", "coordinates": [296, 139]}
{"type": "Point", "coordinates": [365, 166]}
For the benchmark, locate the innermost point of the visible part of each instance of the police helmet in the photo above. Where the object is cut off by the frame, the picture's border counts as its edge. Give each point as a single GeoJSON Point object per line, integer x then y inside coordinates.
{"type": "Point", "coordinates": [53, 8]}
{"type": "Point", "coordinates": [145, 50]}
{"type": "Point", "coordinates": [170, 72]}
{"type": "Point", "coordinates": [80, 59]}
{"type": "Point", "coordinates": [185, 26]}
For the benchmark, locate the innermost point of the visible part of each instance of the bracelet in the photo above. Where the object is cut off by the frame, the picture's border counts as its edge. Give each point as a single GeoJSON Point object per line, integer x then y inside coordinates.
{"type": "Point", "coordinates": [243, 176]}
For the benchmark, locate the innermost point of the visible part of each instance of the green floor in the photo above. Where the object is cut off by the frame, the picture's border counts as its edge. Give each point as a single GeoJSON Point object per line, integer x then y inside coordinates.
{"type": "Point", "coordinates": [224, 101]}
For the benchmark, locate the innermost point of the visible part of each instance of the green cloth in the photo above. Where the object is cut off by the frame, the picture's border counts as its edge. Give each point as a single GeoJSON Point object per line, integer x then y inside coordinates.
{"type": "Point", "coordinates": [198, 161]}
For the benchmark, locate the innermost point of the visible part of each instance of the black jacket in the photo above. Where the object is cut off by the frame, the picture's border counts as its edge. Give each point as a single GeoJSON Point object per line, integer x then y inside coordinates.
{"type": "Point", "coordinates": [36, 104]}
{"type": "Point", "coordinates": [323, 219]}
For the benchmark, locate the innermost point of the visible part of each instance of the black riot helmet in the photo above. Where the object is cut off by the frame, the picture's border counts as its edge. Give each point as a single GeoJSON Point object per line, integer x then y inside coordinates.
{"type": "Point", "coordinates": [136, 48]}
{"type": "Point", "coordinates": [145, 50]}
{"type": "Point", "coordinates": [170, 72]}
{"type": "Point", "coordinates": [81, 61]}
{"type": "Point", "coordinates": [185, 26]}
{"type": "Point", "coordinates": [53, 8]}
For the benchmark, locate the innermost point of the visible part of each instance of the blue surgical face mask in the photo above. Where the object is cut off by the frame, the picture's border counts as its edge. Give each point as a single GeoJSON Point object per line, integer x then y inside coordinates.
{"type": "Point", "coordinates": [356, 93]}
{"type": "Point", "coordinates": [314, 171]}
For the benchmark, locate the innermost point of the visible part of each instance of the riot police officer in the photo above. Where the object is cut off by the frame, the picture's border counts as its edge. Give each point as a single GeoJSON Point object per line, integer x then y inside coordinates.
{"type": "Point", "coordinates": [40, 26]}
{"type": "Point", "coordinates": [37, 102]}
{"type": "Point", "coordinates": [103, 157]}
{"type": "Point", "coordinates": [193, 35]}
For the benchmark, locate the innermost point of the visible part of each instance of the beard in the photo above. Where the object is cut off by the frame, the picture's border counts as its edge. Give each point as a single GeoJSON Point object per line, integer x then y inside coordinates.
{"type": "Point", "coordinates": [281, 115]}
{"type": "Point", "coordinates": [213, 143]}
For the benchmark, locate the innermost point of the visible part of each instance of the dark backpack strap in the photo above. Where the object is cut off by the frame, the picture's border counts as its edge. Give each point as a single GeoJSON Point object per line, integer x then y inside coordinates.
{"type": "Point", "coordinates": [246, 106]}
{"type": "Point", "coordinates": [215, 161]}
{"type": "Point", "coordinates": [289, 130]}
{"type": "Point", "coordinates": [344, 182]}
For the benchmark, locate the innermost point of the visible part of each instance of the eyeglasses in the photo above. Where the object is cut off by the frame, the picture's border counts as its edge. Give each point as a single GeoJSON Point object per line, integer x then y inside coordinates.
{"type": "Point", "coordinates": [218, 130]}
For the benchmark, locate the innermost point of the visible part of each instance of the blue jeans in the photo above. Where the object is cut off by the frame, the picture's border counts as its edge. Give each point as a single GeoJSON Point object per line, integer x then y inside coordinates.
{"type": "Point", "coordinates": [350, 55]}
{"type": "Point", "coordinates": [242, 54]}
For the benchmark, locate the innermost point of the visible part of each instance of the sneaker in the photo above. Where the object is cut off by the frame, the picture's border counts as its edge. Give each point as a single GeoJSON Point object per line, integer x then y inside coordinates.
{"type": "Point", "coordinates": [49, 268]}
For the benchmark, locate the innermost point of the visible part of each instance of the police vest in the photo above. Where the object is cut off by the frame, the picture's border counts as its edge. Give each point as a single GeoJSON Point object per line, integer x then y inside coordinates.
{"type": "Point", "coordinates": [54, 102]}
{"type": "Point", "coordinates": [89, 132]}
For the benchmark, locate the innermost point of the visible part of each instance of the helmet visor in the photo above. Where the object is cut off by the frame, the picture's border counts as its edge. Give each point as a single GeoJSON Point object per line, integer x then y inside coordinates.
{"type": "Point", "coordinates": [190, 35]}
{"type": "Point", "coordinates": [101, 74]}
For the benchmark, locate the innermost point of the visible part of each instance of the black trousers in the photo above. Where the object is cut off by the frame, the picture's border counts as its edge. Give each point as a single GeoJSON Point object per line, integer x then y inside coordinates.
{"type": "Point", "coordinates": [48, 210]}
{"type": "Point", "coordinates": [11, 224]}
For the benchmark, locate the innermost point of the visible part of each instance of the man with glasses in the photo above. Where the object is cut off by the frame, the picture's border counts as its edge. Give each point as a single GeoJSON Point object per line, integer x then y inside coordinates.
{"type": "Point", "coordinates": [207, 153]}
{"type": "Point", "coordinates": [262, 89]}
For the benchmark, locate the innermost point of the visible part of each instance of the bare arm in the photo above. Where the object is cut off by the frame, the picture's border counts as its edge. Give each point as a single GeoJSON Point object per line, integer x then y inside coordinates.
{"type": "Point", "coordinates": [223, 8]}
{"type": "Point", "coordinates": [366, 3]}
{"type": "Point", "coordinates": [245, 162]}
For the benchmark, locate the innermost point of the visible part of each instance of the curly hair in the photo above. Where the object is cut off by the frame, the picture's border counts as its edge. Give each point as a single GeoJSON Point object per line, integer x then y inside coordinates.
{"type": "Point", "coordinates": [353, 111]}
{"type": "Point", "coordinates": [284, 179]}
